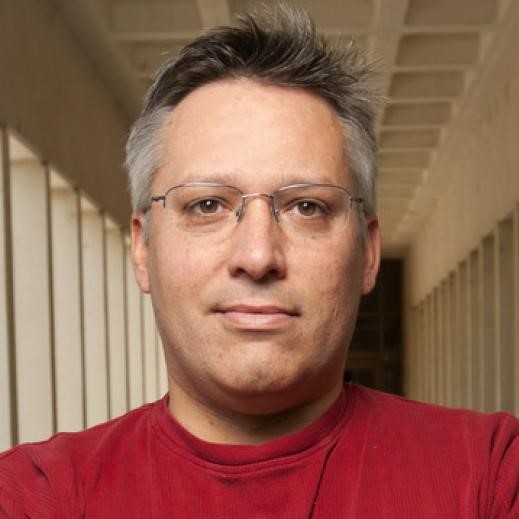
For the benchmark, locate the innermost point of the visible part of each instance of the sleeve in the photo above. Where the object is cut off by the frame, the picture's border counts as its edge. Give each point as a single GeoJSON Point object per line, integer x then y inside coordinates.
{"type": "Point", "coordinates": [9, 509]}
{"type": "Point", "coordinates": [505, 498]}
{"type": "Point", "coordinates": [30, 487]}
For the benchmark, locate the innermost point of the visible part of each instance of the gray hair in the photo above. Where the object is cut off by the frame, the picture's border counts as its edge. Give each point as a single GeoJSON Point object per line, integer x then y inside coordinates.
{"type": "Point", "coordinates": [277, 46]}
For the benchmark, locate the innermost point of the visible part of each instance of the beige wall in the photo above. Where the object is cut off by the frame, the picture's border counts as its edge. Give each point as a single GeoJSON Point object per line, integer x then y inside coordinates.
{"type": "Point", "coordinates": [77, 354]}
{"type": "Point", "coordinates": [462, 269]}
{"type": "Point", "coordinates": [71, 315]}
{"type": "Point", "coordinates": [482, 188]}
{"type": "Point", "coordinates": [53, 97]}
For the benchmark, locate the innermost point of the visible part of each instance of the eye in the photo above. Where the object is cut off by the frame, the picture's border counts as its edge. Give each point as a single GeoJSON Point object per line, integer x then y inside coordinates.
{"type": "Point", "coordinates": [308, 208]}
{"type": "Point", "coordinates": [206, 206]}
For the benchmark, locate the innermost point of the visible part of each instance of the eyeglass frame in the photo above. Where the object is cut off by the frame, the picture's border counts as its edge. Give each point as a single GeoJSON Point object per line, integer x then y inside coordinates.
{"type": "Point", "coordinates": [245, 196]}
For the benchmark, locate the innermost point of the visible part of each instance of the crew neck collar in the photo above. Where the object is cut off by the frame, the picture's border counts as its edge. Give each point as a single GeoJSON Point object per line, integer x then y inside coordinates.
{"type": "Point", "coordinates": [315, 436]}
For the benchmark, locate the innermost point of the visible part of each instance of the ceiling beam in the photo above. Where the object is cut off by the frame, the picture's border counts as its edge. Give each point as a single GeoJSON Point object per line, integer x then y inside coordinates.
{"type": "Point", "coordinates": [387, 27]}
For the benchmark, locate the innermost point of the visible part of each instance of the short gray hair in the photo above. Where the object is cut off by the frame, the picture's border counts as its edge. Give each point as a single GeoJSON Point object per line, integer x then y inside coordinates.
{"type": "Point", "coordinates": [277, 46]}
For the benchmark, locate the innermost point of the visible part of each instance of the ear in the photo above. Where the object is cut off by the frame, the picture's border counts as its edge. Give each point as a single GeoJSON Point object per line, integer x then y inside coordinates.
{"type": "Point", "coordinates": [371, 255]}
{"type": "Point", "coordinates": [140, 252]}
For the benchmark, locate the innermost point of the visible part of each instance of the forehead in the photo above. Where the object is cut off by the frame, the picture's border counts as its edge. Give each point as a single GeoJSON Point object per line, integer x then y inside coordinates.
{"type": "Point", "coordinates": [243, 132]}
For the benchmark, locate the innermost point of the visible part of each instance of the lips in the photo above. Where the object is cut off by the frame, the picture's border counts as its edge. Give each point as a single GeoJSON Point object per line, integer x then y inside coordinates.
{"type": "Point", "coordinates": [257, 317]}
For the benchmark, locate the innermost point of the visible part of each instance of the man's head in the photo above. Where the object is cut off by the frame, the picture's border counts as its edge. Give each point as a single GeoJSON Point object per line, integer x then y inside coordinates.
{"type": "Point", "coordinates": [280, 47]}
{"type": "Point", "coordinates": [255, 315]}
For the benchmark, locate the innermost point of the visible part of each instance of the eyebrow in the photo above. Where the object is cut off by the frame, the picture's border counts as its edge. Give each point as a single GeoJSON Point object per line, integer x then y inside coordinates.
{"type": "Point", "coordinates": [232, 179]}
{"type": "Point", "coordinates": [216, 178]}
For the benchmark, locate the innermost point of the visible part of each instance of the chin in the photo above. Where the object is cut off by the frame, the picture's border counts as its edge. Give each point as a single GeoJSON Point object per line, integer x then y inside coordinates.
{"type": "Point", "coordinates": [264, 392]}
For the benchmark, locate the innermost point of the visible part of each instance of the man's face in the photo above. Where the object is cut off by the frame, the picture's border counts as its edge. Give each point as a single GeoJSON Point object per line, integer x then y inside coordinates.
{"type": "Point", "coordinates": [260, 320]}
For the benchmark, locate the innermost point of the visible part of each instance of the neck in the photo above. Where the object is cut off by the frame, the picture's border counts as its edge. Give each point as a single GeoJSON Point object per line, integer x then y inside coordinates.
{"type": "Point", "coordinates": [217, 424]}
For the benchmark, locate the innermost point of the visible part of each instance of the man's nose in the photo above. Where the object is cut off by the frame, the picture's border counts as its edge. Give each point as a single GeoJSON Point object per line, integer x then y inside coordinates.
{"type": "Point", "coordinates": [257, 243]}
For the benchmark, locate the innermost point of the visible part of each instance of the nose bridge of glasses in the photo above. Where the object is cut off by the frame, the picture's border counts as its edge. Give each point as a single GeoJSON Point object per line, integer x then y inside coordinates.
{"type": "Point", "coordinates": [249, 196]}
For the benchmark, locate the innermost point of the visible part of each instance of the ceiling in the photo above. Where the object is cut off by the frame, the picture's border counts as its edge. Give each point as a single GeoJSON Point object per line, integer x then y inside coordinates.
{"type": "Point", "coordinates": [433, 53]}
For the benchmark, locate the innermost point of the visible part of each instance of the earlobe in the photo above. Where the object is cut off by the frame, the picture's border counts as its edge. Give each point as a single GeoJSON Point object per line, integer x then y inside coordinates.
{"type": "Point", "coordinates": [140, 251]}
{"type": "Point", "coordinates": [371, 255]}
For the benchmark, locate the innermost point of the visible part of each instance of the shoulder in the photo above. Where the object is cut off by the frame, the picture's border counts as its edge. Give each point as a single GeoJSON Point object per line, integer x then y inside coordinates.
{"type": "Point", "coordinates": [78, 448]}
{"type": "Point", "coordinates": [479, 451]}
{"type": "Point", "coordinates": [46, 478]}
{"type": "Point", "coordinates": [424, 420]}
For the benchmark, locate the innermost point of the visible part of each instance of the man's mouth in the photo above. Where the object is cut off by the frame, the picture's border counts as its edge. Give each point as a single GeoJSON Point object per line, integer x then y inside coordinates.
{"type": "Point", "coordinates": [257, 317]}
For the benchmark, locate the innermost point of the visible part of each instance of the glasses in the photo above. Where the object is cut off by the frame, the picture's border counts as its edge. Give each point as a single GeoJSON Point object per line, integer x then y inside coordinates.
{"type": "Point", "coordinates": [205, 207]}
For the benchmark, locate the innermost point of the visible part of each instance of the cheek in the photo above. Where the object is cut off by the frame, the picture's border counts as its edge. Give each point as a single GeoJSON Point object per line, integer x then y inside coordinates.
{"type": "Point", "coordinates": [331, 290]}
{"type": "Point", "coordinates": [184, 266]}
{"type": "Point", "coordinates": [333, 271]}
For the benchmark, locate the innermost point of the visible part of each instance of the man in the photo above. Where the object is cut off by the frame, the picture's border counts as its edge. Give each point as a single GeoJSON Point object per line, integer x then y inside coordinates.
{"type": "Point", "coordinates": [254, 230]}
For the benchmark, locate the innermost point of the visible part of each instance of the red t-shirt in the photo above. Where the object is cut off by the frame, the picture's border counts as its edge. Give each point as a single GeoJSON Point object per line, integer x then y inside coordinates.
{"type": "Point", "coordinates": [371, 455]}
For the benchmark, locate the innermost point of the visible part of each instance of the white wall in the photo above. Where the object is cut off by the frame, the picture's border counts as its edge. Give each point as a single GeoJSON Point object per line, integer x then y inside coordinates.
{"type": "Point", "coordinates": [76, 356]}
{"type": "Point", "coordinates": [135, 335]}
{"type": "Point", "coordinates": [115, 275]}
{"type": "Point", "coordinates": [464, 349]}
{"type": "Point", "coordinates": [82, 343]}
{"type": "Point", "coordinates": [5, 403]}
{"type": "Point", "coordinates": [483, 187]}
{"type": "Point", "coordinates": [68, 344]}
{"type": "Point", "coordinates": [34, 374]}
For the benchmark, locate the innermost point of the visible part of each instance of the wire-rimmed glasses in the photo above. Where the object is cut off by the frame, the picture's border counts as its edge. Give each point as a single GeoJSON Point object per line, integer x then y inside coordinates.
{"type": "Point", "coordinates": [205, 207]}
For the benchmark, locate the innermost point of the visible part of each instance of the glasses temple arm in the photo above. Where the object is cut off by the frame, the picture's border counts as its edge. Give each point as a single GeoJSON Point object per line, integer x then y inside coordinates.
{"type": "Point", "coordinates": [159, 199]}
